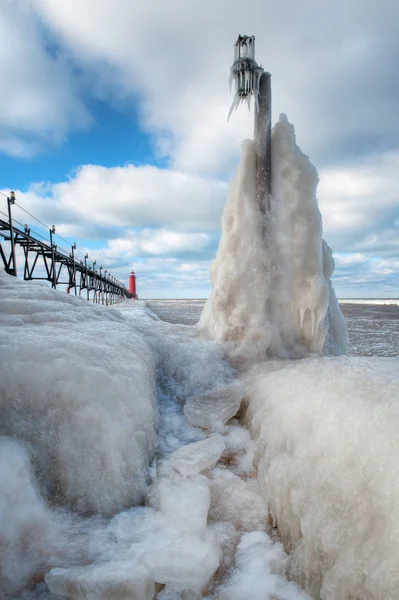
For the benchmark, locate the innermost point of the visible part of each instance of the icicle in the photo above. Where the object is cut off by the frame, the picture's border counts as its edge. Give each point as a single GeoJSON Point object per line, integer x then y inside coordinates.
{"type": "Point", "coordinates": [235, 103]}
{"type": "Point", "coordinates": [312, 320]}
{"type": "Point", "coordinates": [301, 316]}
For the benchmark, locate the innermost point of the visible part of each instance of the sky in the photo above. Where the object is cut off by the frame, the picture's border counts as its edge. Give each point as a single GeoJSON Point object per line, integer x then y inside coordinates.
{"type": "Point", "coordinates": [113, 127]}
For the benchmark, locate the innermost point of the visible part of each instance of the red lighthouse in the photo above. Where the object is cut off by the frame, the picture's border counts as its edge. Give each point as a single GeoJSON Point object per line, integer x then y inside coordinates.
{"type": "Point", "coordinates": [132, 284]}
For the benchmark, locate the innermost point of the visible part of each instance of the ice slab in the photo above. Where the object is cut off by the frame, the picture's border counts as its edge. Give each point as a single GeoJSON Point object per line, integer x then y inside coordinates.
{"type": "Point", "coordinates": [214, 409]}
{"type": "Point", "coordinates": [185, 501]}
{"type": "Point", "coordinates": [196, 457]}
{"type": "Point", "coordinates": [115, 580]}
{"type": "Point", "coordinates": [186, 562]}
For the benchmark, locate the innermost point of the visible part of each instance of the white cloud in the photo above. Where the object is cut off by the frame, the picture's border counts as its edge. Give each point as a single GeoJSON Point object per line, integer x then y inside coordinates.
{"type": "Point", "coordinates": [332, 69]}
{"type": "Point", "coordinates": [126, 197]}
{"type": "Point", "coordinates": [360, 205]}
{"type": "Point", "coordinates": [160, 242]}
{"type": "Point", "coordinates": [38, 103]}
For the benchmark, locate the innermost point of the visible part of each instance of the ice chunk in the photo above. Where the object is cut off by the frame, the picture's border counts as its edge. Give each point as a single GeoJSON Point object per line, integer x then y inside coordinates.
{"type": "Point", "coordinates": [214, 409]}
{"type": "Point", "coordinates": [184, 561]}
{"type": "Point", "coordinates": [185, 501]}
{"type": "Point", "coordinates": [196, 457]}
{"type": "Point", "coordinates": [115, 580]}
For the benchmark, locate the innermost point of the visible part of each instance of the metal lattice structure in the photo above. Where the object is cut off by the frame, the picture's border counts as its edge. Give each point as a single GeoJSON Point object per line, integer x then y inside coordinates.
{"type": "Point", "coordinates": [47, 262]}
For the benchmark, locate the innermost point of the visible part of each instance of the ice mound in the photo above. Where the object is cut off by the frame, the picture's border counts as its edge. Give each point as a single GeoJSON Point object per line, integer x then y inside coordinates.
{"type": "Point", "coordinates": [198, 456]}
{"type": "Point", "coordinates": [272, 294]}
{"type": "Point", "coordinates": [77, 383]}
{"type": "Point", "coordinates": [213, 409]}
{"type": "Point", "coordinates": [327, 431]}
{"type": "Point", "coordinates": [259, 574]}
{"type": "Point", "coordinates": [26, 528]}
{"type": "Point", "coordinates": [102, 581]}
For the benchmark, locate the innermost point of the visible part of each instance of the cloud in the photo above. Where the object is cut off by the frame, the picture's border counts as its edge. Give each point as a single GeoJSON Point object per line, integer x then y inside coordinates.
{"type": "Point", "coordinates": [121, 197]}
{"type": "Point", "coordinates": [333, 71]}
{"type": "Point", "coordinates": [360, 205]}
{"type": "Point", "coordinates": [158, 242]}
{"type": "Point", "coordinates": [38, 101]}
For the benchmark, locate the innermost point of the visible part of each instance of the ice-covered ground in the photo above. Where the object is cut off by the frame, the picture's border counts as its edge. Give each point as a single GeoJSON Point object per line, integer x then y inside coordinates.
{"type": "Point", "coordinates": [205, 528]}
{"type": "Point", "coordinates": [81, 516]}
{"type": "Point", "coordinates": [327, 434]}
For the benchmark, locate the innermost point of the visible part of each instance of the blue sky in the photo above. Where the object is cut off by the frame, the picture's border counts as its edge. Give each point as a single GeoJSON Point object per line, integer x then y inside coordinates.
{"type": "Point", "coordinates": [113, 127]}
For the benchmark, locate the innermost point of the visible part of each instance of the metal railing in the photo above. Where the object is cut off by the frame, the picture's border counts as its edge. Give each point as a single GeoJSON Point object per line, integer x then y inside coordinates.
{"type": "Point", "coordinates": [45, 260]}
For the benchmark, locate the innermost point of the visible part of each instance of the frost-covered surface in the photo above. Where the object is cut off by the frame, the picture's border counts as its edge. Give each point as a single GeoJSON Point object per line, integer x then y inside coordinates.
{"type": "Point", "coordinates": [327, 432]}
{"type": "Point", "coordinates": [272, 294]}
{"type": "Point", "coordinates": [26, 530]}
{"type": "Point", "coordinates": [77, 386]}
{"type": "Point", "coordinates": [183, 543]}
{"type": "Point", "coordinates": [214, 409]}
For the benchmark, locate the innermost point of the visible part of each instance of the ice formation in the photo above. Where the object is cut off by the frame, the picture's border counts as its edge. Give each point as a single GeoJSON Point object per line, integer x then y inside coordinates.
{"type": "Point", "coordinates": [327, 431]}
{"type": "Point", "coordinates": [215, 408]}
{"type": "Point", "coordinates": [272, 294]}
{"type": "Point", "coordinates": [77, 384]}
{"type": "Point", "coordinates": [26, 529]}
{"type": "Point", "coordinates": [198, 456]}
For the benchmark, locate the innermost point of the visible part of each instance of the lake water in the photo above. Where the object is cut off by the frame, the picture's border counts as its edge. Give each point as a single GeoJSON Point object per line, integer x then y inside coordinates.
{"type": "Point", "coordinates": [373, 328]}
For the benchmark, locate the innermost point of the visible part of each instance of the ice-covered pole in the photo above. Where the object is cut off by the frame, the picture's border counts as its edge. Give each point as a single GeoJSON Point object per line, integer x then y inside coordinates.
{"type": "Point", "coordinates": [250, 79]}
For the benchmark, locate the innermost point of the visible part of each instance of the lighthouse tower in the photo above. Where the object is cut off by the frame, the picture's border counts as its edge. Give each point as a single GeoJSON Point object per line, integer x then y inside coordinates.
{"type": "Point", "coordinates": [132, 285]}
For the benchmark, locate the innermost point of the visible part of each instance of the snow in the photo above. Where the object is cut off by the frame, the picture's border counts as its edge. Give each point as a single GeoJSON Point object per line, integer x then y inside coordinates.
{"type": "Point", "coordinates": [77, 385]}
{"type": "Point", "coordinates": [260, 572]}
{"type": "Point", "coordinates": [327, 432]}
{"type": "Point", "coordinates": [214, 409]}
{"type": "Point", "coordinates": [272, 294]}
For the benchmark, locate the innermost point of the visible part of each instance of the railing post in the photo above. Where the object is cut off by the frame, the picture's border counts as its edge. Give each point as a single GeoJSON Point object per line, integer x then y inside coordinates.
{"type": "Point", "coordinates": [94, 282]}
{"type": "Point", "coordinates": [12, 270]}
{"type": "Point", "coordinates": [106, 287]}
{"type": "Point", "coordinates": [73, 266]}
{"type": "Point", "coordinates": [100, 290]}
{"type": "Point", "coordinates": [53, 272]}
{"type": "Point", "coordinates": [87, 277]}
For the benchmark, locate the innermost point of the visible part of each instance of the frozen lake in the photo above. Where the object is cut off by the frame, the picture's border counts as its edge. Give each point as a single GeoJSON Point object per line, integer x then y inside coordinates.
{"type": "Point", "coordinates": [373, 328]}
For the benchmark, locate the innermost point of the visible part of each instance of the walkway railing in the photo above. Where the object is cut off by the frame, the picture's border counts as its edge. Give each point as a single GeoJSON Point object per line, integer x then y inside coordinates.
{"type": "Point", "coordinates": [45, 260]}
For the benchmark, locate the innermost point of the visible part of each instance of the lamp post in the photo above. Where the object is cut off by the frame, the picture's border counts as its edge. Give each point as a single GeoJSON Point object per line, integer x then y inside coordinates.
{"type": "Point", "coordinates": [251, 80]}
